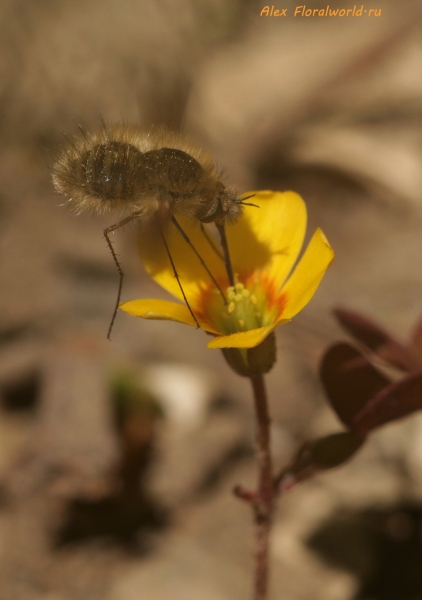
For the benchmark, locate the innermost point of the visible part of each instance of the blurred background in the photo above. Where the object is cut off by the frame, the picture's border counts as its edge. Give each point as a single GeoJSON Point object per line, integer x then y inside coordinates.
{"type": "Point", "coordinates": [117, 459]}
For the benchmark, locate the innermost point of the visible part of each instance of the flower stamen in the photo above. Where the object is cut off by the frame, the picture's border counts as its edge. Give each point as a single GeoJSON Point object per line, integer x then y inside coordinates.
{"type": "Point", "coordinates": [251, 305]}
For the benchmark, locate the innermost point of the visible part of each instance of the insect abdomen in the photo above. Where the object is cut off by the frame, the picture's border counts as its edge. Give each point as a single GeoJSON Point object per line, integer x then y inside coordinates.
{"type": "Point", "coordinates": [111, 171]}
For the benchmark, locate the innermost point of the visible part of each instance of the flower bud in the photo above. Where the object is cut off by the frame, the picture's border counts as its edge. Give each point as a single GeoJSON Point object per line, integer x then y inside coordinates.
{"type": "Point", "coordinates": [252, 361]}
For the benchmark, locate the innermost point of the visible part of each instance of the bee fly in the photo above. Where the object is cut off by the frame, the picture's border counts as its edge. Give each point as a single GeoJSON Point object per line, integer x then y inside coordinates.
{"type": "Point", "coordinates": [156, 174]}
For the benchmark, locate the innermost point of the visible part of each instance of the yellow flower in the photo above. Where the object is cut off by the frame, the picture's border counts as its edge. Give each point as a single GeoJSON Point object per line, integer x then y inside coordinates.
{"type": "Point", "coordinates": [269, 290]}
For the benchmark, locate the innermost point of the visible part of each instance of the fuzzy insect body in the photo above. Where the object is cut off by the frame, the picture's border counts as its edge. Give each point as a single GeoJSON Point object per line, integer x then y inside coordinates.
{"type": "Point", "coordinates": [154, 175]}
{"type": "Point", "coordinates": [149, 173]}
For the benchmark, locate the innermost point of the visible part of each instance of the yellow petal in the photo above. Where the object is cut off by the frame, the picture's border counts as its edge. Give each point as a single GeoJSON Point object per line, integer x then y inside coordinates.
{"type": "Point", "coordinates": [306, 277]}
{"type": "Point", "coordinates": [162, 310]}
{"type": "Point", "coordinates": [192, 274]}
{"type": "Point", "coordinates": [245, 339]}
{"type": "Point", "coordinates": [268, 238]}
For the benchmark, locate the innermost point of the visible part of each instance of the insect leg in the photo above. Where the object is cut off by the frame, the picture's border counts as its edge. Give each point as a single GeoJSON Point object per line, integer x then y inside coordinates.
{"type": "Point", "coordinates": [177, 278]}
{"type": "Point", "coordinates": [225, 246]}
{"type": "Point", "coordinates": [211, 243]}
{"type": "Point", "coordinates": [116, 262]}
{"type": "Point", "coordinates": [201, 260]}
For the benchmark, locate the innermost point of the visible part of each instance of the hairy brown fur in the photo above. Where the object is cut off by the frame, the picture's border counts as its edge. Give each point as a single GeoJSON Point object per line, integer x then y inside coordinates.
{"type": "Point", "coordinates": [155, 172]}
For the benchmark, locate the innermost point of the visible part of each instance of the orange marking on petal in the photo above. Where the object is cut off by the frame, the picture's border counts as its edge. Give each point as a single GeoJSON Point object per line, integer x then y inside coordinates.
{"type": "Point", "coordinates": [260, 283]}
{"type": "Point", "coordinates": [208, 299]}
{"type": "Point", "coordinates": [281, 302]}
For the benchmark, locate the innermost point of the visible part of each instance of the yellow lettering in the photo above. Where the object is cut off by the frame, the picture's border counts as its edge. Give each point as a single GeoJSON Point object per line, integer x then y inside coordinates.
{"type": "Point", "coordinates": [265, 11]}
{"type": "Point", "coordinates": [298, 10]}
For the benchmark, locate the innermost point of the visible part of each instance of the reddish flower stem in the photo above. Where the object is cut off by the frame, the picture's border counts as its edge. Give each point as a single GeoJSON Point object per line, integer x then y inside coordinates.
{"type": "Point", "coordinates": [263, 502]}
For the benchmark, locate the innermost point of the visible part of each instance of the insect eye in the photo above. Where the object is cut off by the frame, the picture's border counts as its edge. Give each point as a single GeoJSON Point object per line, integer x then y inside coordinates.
{"type": "Point", "coordinates": [214, 213]}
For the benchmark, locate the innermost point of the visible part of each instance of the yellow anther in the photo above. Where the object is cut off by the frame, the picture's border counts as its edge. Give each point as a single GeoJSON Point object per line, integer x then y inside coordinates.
{"type": "Point", "coordinates": [246, 293]}
{"type": "Point", "coordinates": [239, 287]}
{"type": "Point", "coordinates": [238, 297]}
{"type": "Point", "coordinates": [231, 307]}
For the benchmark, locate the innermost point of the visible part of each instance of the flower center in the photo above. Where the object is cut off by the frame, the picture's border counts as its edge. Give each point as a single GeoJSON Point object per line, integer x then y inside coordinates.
{"type": "Point", "coordinates": [249, 306]}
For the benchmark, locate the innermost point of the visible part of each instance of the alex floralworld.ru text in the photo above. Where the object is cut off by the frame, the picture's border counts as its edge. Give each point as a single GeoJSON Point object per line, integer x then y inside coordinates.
{"type": "Point", "coordinates": [304, 11]}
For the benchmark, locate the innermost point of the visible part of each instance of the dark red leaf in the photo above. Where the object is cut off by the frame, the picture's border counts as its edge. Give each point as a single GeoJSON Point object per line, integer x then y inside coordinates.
{"type": "Point", "coordinates": [394, 402]}
{"type": "Point", "coordinates": [416, 338]}
{"type": "Point", "coordinates": [349, 380]}
{"type": "Point", "coordinates": [376, 339]}
{"type": "Point", "coordinates": [362, 328]}
{"type": "Point", "coordinates": [333, 450]}
{"type": "Point", "coordinates": [321, 454]}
